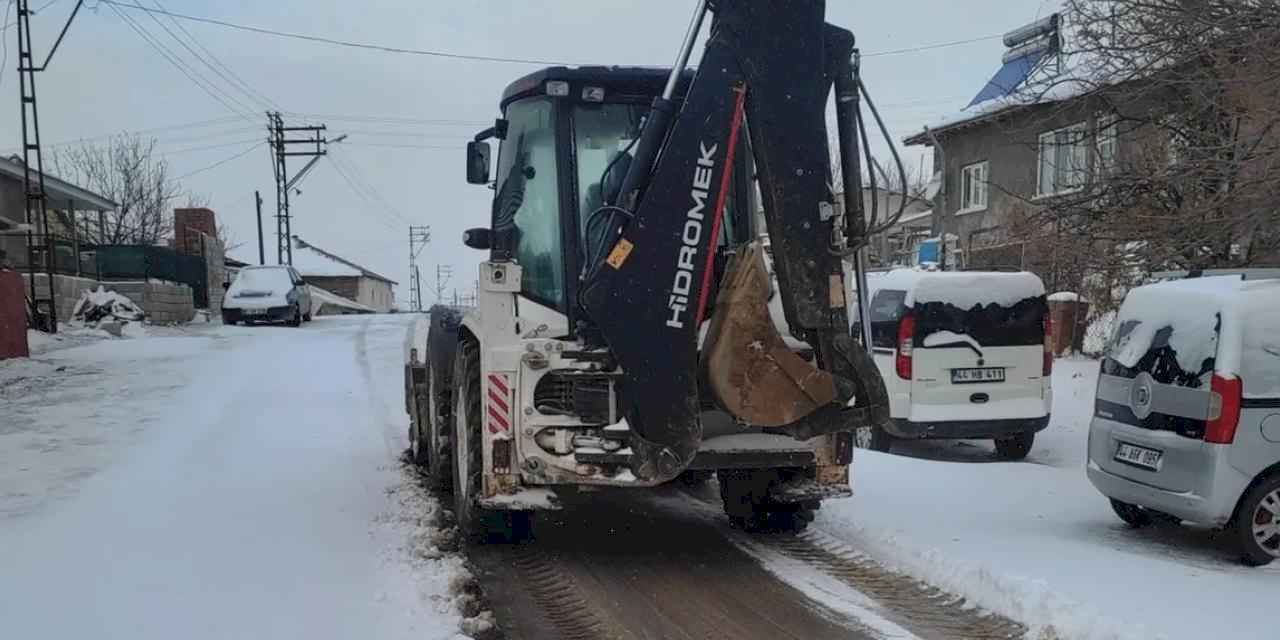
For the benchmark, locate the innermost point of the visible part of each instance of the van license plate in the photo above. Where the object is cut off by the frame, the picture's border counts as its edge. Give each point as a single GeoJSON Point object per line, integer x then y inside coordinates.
{"type": "Point", "coordinates": [1140, 456]}
{"type": "Point", "coordinates": [987, 374]}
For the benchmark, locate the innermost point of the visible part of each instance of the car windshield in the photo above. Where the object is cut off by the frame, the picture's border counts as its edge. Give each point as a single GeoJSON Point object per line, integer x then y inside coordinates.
{"type": "Point", "coordinates": [262, 280]}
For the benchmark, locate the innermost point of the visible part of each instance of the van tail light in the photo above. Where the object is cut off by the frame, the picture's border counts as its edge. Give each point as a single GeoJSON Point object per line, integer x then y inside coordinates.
{"type": "Point", "coordinates": [1225, 398]}
{"type": "Point", "coordinates": [1046, 368]}
{"type": "Point", "coordinates": [906, 341]}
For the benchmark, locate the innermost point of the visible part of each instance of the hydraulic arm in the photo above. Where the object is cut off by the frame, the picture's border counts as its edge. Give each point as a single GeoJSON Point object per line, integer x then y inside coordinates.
{"type": "Point", "coordinates": [767, 72]}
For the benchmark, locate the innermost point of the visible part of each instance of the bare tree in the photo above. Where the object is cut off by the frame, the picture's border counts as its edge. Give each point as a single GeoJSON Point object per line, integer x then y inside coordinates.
{"type": "Point", "coordinates": [124, 169]}
{"type": "Point", "coordinates": [1183, 169]}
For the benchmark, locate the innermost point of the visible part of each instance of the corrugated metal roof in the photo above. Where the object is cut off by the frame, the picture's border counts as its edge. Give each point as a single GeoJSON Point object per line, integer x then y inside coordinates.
{"type": "Point", "coordinates": [299, 243]}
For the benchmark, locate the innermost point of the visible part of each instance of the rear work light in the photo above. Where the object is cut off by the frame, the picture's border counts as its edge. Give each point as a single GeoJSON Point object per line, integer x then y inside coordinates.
{"type": "Point", "coordinates": [906, 342]}
{"type": "Point", "coordinates": [1225, 396]}
{"type": "Point", "coordinates": [1046, 368]}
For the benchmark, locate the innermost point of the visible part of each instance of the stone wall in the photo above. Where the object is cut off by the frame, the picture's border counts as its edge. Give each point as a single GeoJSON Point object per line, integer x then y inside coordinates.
{"type": "Point", "coordinates": [164, 302]}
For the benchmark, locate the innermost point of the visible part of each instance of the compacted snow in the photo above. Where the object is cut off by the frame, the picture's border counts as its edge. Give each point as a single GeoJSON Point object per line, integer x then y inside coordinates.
{"type": "Point", "coordinates": [1036, 542]}
{"type": "Point", "coordinates": [223, 482]}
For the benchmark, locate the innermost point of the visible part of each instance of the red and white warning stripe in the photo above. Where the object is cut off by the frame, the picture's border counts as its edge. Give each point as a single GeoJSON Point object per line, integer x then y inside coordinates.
{"type": "Point", "coordinates": [499, 403]}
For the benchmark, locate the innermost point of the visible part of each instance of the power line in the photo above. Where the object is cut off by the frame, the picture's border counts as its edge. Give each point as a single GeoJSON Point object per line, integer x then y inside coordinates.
{"type": "Point", "coordinates": [33, 12]}
{"type": "Point", "coordinates": [393, 145]}
{"type": "Point", "coordinates": [390, 119]}
{"type": "Point", "coordinates": [351, 164]}
{"type": "Point", "coordinates": [142, 33]}
{"type": "Point", "coordinates": [363, 195]}
{"type": "Point", "coordinates": [235, 77]}
{"type": "Point", "coordinates": [219, 163]}
{"type": "Point", "coordinates": [336, 42]}
{"type": "Point", "coordinates": [206, 63]}
{"type": "Point", "coordinates": [927, 47]}
{"type": "Point", "coordinates": [210, 147]}
{"type": "Point", "coordinates": [4, 38]}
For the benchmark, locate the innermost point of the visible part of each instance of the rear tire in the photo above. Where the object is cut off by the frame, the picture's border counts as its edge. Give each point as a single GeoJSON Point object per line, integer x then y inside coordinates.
{"type": "Point", "coordinates": [1016, 447]}
{"type": "Point", "coordinates": [476, 524]}
{"type": "Point", "coordinates": [1133, 515]}
{"type": "Point", "coordinates": [1256, 528]}
{"type": "Point", "coordinates": [873, 438]}
{"type": "Point", "coordinates": [434, 419]}
{"type": "Point", "coordinates": [745, 494]}
{"type": "Point", "coordinates": [306, 317]}
{"type": "Point", "coordinates": [296, 320]}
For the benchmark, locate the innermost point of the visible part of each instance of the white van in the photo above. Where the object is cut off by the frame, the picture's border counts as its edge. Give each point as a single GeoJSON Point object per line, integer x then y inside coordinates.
{"type": "Point", "coordinates": [963, 355]}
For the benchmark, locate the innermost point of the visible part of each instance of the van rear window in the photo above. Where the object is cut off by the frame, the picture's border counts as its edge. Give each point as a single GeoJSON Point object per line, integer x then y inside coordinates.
{"type": "Point", "coordinates": [1157, 349]}
{"type": "Point", "coordinates": [991, 325]}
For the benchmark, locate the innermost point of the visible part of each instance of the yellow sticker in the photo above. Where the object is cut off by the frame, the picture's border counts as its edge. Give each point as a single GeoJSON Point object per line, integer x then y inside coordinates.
{"type": "Point", "coordinates": [620, 253]}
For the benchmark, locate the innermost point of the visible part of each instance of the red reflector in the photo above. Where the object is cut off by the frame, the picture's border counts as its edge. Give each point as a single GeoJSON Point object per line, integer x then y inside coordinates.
{"type": "Point", "coordinates": [906, 343]}
{"type": "Point", "coordinates": [1226, 399]}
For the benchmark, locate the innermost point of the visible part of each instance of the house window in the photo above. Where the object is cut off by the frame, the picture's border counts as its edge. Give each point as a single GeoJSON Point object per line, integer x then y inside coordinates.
{"type": "Point", "coordinates": [973, 187]}
{"type": "Point", "coordinates": [1064, 160]}
{"type": "Point", "coordinates": [1108, 143]}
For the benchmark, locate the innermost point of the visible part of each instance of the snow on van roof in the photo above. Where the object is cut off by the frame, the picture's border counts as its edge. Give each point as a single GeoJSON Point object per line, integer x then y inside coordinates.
{"type": "Point", "coordinates": [1221, 317]}
{"type": "Point", "coordinates": [964, 289]}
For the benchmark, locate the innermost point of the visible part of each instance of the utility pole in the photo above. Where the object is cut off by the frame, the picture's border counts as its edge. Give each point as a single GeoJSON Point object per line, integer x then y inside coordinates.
{"type": "Point", "coordinates": [419, 236]}
{"type": "Point", "coordinates": [281, 146]}
{"type": "Point", "coordinates": [262, 252]}
{"type": "Point", "coordinates": [33, 160]}
{"type": "Point", "coordinates": [443, 273]}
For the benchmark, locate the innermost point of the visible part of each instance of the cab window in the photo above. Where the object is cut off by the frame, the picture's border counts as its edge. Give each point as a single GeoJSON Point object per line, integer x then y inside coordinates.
{"type": "Point", "coordinates": [526, 204]}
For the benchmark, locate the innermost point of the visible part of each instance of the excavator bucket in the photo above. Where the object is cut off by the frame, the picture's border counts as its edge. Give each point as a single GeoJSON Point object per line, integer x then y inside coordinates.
{"type": "Point", "coordinates": [750, 371]}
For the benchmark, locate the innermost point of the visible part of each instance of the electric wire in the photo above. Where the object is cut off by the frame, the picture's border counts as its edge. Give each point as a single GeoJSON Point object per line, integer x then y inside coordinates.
{"type": "Point", "coordinates": [142, 33]}
{"type": "Point", "coordinates": [206, 63]}
{"type": "Point", "coordinates": [235, 77]}
{"type": "Point", "coordinates": [220, 162]}
{"type": "Point", "coordinates": [337, 42]}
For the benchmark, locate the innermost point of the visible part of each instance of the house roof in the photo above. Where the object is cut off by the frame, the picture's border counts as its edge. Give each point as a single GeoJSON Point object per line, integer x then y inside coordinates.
{"type": "Point", "coordinates": [1028, 76]}
{"type": "Point", "coordinates": [311, 260]}
{"type": "Point", "coordinates": [59, 192]}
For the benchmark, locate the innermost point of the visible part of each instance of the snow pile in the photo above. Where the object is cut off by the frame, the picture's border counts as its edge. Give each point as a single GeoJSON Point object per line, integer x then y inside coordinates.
{"type": "Point", "coordinates": [102, 305]}
{"type": "Point", "coordinates": [963, 289]}
{"type": "Point", "coordinates": [940, 338]}
{"type": "Point", "coordinates": [1035, 542]}
{"type": "Point", "coordinates": [1185, 313]}
{"type": "Point", "coordinates": [1064, 296]}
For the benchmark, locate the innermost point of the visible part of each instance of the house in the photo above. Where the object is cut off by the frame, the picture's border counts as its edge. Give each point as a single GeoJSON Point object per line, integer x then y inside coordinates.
{"type": "Point", "coordinates": [64, 202]}
{"type": "Point", "coordinates": [343, 277]}
{"type": "Point", "coordinates": [1030, 135]}
{"type": "Point", "coordinates": [899, 244]}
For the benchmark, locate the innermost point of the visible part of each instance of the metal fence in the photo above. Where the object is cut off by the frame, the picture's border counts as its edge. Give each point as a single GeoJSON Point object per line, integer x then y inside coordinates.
{"type": "Point", "coordinates": [144, 262]}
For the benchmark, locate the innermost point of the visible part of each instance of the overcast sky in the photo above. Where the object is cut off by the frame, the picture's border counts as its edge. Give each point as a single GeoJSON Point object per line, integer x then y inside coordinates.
{"type": "Point", "coordinates": [106, 79]}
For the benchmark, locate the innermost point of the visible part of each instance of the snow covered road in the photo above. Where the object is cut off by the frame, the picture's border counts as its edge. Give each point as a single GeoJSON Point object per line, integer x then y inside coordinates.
{"type": "Point", "coordinates": [230, 483]}
{"type": "Point", "coordinates": [1034, 541]}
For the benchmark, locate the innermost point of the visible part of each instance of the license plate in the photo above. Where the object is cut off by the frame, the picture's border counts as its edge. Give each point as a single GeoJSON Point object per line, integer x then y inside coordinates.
{"type": "Point", "coordinates": [987, 374]}
{"type": "Point", "coordinates": [254, 312]}
{"type": "Point", "coordinates": [1140, 456]}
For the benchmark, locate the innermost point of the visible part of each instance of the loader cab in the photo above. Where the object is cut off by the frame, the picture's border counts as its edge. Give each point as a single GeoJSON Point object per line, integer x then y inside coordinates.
{"type": "Point", "coordinates": [563, 144]}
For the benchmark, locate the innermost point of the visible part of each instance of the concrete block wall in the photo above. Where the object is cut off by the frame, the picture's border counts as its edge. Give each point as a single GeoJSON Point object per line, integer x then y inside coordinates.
{"type": "Point", "coordinates": [66, 291]}
{"type": "Point", "coordinates": [163, 302]}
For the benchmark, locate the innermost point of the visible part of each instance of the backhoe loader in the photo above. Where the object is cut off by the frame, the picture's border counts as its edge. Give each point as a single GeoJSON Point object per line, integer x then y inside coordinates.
{"type": "Point", "coordinates": [643, 220]}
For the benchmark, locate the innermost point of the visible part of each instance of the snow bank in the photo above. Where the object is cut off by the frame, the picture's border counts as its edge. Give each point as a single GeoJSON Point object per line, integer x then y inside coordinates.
{"type": "Point", "coordinates": [1035, 542]}
{"type": "Point", "coordinates": [1064, 296]}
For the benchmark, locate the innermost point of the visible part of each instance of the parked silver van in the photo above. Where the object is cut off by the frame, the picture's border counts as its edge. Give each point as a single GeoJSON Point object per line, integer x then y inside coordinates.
{"type": "Point", "coordinates": [1186, 421]}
